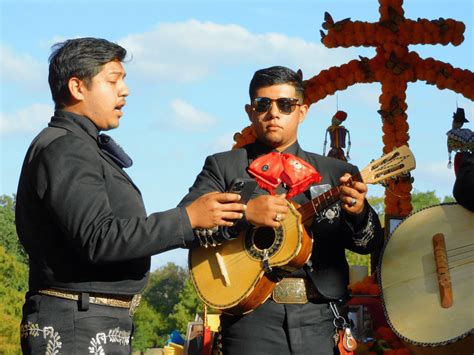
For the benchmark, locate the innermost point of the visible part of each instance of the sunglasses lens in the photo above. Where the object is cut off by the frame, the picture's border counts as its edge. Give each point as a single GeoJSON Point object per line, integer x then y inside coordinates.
{"type": "Point", "coordinates": [262, 104]}
{"type": "Point", "coordinates": [286, 105]}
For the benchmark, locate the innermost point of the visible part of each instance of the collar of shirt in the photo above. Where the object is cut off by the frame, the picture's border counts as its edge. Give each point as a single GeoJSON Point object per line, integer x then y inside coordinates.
{"type": "Point", "coordinates": [83, 122]}
{"type": "Point", "coordinates": [261, 148]}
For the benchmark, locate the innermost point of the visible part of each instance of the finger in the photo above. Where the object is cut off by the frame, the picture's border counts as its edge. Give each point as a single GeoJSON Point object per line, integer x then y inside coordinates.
{"type": "Point", "coordinates": [360, 187]}
{"type": "Point", "coordinates": [350, 201]}
{"type": "Point", "coordinates": [225, 223]}
{"type": "Point", "coordinates": [345, 178]}
{"type": "Point", "coordinates": [282, 210]}
{"type": "Point", "coordinates": [232, 207]}
{"type": "Point", "coordinates": [349, 191]}
{"type": "Point", "coordinates": [279, 201]}
{"type": "Point", "coordinates": [273, 224]}
{"type": "Point", "coordinates": [224, 197]}
{"type": "Point", "coordinates": [232, 216]}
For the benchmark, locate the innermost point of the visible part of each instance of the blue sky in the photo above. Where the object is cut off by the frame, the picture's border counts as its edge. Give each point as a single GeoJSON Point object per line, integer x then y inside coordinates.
{"type": "Point", "coordinates": [191, 62]}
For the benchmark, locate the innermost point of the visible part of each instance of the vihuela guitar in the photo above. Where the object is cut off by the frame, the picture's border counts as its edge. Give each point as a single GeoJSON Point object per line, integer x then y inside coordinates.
{"type": "Point", "coordinates": [426, 274]}
{"type": "Point", "coordinates": [233, 276]}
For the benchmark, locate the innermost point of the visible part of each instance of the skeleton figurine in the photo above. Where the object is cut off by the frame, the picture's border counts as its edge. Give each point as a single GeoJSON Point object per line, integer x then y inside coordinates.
{"type": "Point", "coordinates": [338, 133]}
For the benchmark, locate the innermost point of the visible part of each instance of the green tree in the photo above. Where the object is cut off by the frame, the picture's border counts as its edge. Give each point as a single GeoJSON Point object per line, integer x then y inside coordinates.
{"type": "Point", "coordinates": [154, 321]}
{"type": "Point", "coordinates": [420, 200]}
{"type": "Point", "coordinates": [150, 328]}
{"type": "Point", "coordinates": [188, 306]}
{"type": "Point", "coordinates": [8, 236]}
{"type": "Point", "coordinates": [378, 204]}
{"type": "Point", "coordinates": [13, 285]}
{"type": "Point", "coordinates": [164, 287]}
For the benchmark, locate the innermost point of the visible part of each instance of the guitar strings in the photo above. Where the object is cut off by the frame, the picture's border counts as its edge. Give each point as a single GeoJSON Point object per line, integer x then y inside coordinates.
{"type": "Point", "coordinates": [463, 255]}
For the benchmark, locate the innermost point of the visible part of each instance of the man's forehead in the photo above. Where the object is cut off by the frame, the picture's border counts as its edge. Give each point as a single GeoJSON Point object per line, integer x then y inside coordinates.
{"type": "Point", "coordinates": [277, 88]}
{"type": "Point", "coordinates": [113, 68]}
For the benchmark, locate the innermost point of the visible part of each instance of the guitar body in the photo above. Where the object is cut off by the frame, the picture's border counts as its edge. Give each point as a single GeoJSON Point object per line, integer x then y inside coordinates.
{"type": "Point", "coordinates": [409, 280]}
{"type": "Point", "coordinates": [231, 276]}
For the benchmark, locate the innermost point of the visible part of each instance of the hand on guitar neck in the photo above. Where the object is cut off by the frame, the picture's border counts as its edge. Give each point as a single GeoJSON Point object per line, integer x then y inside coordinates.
{"type": "Point", "coordinates": [352, 194]}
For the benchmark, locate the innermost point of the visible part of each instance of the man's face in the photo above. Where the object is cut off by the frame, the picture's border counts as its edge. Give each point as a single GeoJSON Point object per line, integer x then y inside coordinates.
{"type": "Point", "coordinates": [104, 97]}
{"type": "Point", "coordinates": [274, 128]}
{"type": "Point", "coordinates": [199, 331]}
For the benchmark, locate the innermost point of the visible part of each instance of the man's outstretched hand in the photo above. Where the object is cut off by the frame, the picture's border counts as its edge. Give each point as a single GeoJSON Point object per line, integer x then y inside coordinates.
{"type": "Point", "coordinates": [215, 209]}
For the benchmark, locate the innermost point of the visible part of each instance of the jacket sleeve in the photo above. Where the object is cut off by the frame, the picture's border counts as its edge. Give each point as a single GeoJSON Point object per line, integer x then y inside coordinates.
{"type": "Point", "coordinates": [70, 181]}
{"type": "Point", "coordinates": [363, 232]}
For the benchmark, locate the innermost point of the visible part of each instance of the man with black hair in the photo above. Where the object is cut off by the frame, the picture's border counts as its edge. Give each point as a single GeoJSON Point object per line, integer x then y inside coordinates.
{"type": "Point", "coordinates": [288, 323]}
{"type": "Point", "coordinates": [82, 219]}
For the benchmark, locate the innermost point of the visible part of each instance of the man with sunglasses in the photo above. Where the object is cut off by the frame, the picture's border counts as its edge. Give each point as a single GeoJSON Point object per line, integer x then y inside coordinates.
{"type": "Point", "coordinates": [285, 324]}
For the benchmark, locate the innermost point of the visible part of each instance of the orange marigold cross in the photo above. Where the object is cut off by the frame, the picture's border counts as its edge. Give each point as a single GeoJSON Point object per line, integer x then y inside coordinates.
{"type": "Point", "coordinates": [393, 66]}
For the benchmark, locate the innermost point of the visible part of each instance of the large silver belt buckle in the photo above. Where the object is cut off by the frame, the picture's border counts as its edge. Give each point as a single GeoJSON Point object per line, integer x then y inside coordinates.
{"type": "Point", "coordinates": [290, 290]}
{"type": "Point", "coordinates": [134, 303]}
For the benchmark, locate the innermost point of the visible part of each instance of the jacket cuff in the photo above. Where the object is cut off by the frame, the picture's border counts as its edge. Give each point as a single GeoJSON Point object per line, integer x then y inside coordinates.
{"type": "Point", "coordinates": [186, 229]}
{"type": "Point", "coordinates": [358, 221]}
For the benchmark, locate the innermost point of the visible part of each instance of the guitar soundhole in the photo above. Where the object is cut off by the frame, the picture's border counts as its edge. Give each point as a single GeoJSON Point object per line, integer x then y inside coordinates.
{"type": "Point", "coordinates": [264, 238]}
{"type": "Point", "coordinates": [263, 241]}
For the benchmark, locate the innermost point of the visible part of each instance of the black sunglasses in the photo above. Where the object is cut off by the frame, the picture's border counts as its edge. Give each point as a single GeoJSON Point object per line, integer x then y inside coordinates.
{"type": "Point", "coordinates": [285, 105]}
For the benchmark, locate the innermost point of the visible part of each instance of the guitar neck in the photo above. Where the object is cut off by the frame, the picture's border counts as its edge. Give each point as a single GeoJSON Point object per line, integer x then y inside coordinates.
{"type": "Point", "coordinates": [326, 199]}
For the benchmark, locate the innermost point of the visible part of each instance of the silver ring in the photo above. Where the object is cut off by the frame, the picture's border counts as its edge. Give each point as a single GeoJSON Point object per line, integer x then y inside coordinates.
{"type": "Point", "coordinates": [353, 202]}
{"type": "Point", "coordinates": [278, 217]}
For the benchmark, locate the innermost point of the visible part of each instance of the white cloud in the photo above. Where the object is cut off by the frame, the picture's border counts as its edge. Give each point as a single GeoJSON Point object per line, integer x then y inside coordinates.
{"type": "Point", "coordinates": [29, 119]}
{"type": "Point", "coordinates": [434, 175]}
{"type": "Point", "coordinates": [21, 68]}
{"type": "Point", "coordinates": [188, 51]}
{"type": "Point", "coordinates": [222, 143]}
{"type": "Point", "coordinates": [190, 118]}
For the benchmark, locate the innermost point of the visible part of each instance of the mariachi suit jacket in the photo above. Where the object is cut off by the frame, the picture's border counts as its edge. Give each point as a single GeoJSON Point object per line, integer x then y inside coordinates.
{"type": "Point", "coordinates": [333, 230]}
{"type": "Point", "coordinates": [81, 218]}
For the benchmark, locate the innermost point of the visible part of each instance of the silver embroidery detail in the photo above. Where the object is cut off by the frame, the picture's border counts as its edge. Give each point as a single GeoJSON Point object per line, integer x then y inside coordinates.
{"type": "Point", "coordinates": [368, 233]}
{"type": "Point", "coordinates": [115, 335]}
{"type": "Point", "coordinates": [330, 214]}
{"type": "Point", "coordinates": [54, 339]}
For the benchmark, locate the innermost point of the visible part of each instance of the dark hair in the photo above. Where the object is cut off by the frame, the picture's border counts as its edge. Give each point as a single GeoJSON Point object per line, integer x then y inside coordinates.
{"type": "Point", "coordinates": [274, 76]}
{"type": "Point", "coordinates": [81, 58]}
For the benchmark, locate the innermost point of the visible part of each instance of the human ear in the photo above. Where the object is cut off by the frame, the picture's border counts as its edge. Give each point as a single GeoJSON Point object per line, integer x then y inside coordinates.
{"type": "Point", "coordinates": [76, 88]}
{"type": "Point", "coordinates": [248, 109]}
{"type": "Point", "coordinates": [303, 111]}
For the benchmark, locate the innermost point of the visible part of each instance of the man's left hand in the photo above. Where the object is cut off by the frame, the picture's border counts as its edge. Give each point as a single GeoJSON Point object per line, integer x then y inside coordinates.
{"type": "Point", "coordinates": [352, 195]}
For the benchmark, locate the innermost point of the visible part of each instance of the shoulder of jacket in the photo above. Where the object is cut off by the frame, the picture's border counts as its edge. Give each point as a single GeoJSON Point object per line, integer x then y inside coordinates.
{"type": "Point", "coordinates": [231, 154]}
{"type": "Point", "coordinates": [60, 141]}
